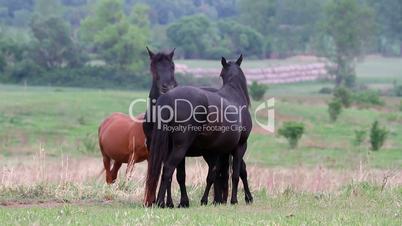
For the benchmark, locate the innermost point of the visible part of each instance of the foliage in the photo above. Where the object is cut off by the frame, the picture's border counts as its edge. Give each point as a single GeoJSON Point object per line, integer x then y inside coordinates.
{"type": "Point", "coordinates": [86, 76]}
{"type": "Point", "coordinates": [257, 91]}
{"type": "Point", "coordinates": [53, 45]}
{"type": "Point", "coordinates": [344, 95]}
{"type": "Point", "coordinates": [349, 25]}
{"type": "Point", "coordinates": [241, 39]}
{"type": "Point", "coordinates": [195, 35]}
{"type": "Point", "coordinates": [377, 136]}
{"type": "Point", "coordinates": [292, 131]}
{"type": "Point", "coordinates": [360, 136]}
{"type": "Point", "coordinates": [334, 109]}
{"type": "Point", "coordinates": [388, 18]}
{"type": "Point", "coordinates": [48, 8]}
{"type": "Point", "coordinates": [325, 90]}
{"type": "Point", "coordinates": [398, 90]}
{"type": "Point", "coordinates": [117, 39]}
{"type": "Point", "coordinates": [368, 97]}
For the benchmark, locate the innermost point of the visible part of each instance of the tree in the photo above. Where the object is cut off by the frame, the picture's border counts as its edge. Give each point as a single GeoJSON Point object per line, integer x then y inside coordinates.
{"type": "Point", "coordinates": [48, 8]}
{"type": "Point", "coordinates": [116, 38]}
{"type": "Point", "coordinates": [242, 39]}
{"type": "Point", "coordinates": [53, 46]}
{"type": "Point", "coordinates": [259, 15]}
{"type": "Point", "coordinates": [296, 25]}
{"type": "Point", "coordinates": [195, 35]}
{"type": "Point", "coordinates": [349, 25]}
{"type": "Point", "coordinates": [389, 19]}
{"type": "Point", "coordinates": [292, 131]}
{"type": "Point", "coordinates": [378, 136]}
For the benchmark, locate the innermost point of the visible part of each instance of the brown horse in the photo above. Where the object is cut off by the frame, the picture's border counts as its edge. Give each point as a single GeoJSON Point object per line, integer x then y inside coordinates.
{"type": "Point", "coordinates": [121, 139]}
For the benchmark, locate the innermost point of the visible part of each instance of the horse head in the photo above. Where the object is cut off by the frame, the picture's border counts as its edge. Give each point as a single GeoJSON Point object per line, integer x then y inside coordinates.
{"type": "Point", "coordinates": [162, 69]}
{"type": "Point", "coordinates": [232, 74]}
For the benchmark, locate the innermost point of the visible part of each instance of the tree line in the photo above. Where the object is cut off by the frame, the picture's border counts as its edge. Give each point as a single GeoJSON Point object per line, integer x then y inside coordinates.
{"type": "Point", "coordinates": [42, 38]}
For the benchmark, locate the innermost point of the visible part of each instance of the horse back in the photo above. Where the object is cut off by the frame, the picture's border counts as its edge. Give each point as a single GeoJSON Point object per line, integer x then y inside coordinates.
{"type": "Point", "coordinates": [114, 134]}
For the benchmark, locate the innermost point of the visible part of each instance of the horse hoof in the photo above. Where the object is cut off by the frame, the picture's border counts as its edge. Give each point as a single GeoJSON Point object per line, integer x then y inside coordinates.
{"type": "Point", "coordinates": [249, 200]}
{"type": "Point", "coordinates": [160, 204]}
{"type": "Point", "coordinates": [170, 205]}
{"type": "Point", "coordinates": [233, 202]}
{"type": "Point", "coordinates": [183, 204]}
{"type": "Point", "coordinates": [204, 202]}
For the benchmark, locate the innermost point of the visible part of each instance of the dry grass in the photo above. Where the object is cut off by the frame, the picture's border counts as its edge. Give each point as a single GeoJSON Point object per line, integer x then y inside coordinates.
{"type": "Point", "coordinates": [83, 173]}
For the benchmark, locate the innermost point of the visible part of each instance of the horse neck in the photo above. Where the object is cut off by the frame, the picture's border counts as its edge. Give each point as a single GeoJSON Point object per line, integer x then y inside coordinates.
{"type": "Point", "coordinates": [238, 90]}
{"type": "Point", "coordinates": [154, 92]}
{"type": "Point", "coordinates": [153, 95]}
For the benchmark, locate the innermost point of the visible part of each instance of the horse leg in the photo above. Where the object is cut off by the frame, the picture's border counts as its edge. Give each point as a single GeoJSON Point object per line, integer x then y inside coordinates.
{"type": "Point", "coordinates": [169, 200]}
{"type": "Point", "coordinates": [212, 168]}
{"type": "Point", "coordinates": [115, 170]}
{"type": "Point", "coordinates": [181, 179]}
{"type": "Point", "coordinates": [237, 157]}
{"type": "Point", "coordinates": [177, 155]}
{"type": "Point", "coordinates": [221, 185]}
{"type": "Point", "coordinates": [106, 164]}
{"type": "Point", "coordinates": [243, 176]}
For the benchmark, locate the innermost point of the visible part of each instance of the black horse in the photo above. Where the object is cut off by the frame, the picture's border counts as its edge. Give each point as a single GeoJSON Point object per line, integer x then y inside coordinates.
{"type": "Point", "coordinates": [163, 80]}
{"type": "Point", "coordinates": [172, 147]}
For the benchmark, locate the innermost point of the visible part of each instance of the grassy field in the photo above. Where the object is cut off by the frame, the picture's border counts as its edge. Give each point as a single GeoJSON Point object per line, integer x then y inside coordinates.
{"type": "Point", "coordinates": [49, 161]}
{"type": "Point", "coordinates": [360, 204]}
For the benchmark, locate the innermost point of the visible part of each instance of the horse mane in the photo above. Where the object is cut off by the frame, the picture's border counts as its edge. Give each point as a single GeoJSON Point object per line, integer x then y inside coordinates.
{"type": "Point", "coordinates": [239, 81]}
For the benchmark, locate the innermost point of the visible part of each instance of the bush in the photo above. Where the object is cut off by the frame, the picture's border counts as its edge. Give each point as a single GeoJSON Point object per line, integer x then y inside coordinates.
{"type": "Point", "coordinates": [377, 136]}
{"type": "Point", "coordinates": [344, 95]}
{"type": "Point", "coordinates": [368, 97]}
{"type": "Point", "coordinates": [87, 76]}
{"type": "Point", "coordinates": [325, 90]}
{"type": "Point", "coordinates": [257, 91]}
{"type": "Point", "coordinates": [360, 136]}
{"type": "Point", "coordinates": [398, 91]}
{"type": "Point", "coordinates": [334, 109]}
{"type": "Point", "coordinates": [292, 131]}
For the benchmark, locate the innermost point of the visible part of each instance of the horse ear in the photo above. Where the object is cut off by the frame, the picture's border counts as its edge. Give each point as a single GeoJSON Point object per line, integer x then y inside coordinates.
{"type": "Point", "coordinates": [171, 54]}
{"type": "Point", "coordinates": [224, 62]}
{"type": "Point", "coordinates": [150, 53]}
{"type": "Point", "coordinates": [238, 61]}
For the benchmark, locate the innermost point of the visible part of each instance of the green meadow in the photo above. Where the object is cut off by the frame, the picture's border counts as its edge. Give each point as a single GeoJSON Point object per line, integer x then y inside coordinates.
{"type": "Point", "coordinates": [42, 126]}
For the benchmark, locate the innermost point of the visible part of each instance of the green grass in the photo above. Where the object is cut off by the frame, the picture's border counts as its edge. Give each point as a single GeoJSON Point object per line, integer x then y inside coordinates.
{"type": "Point", "coordinates": [65, 121]}
{"type": "Point", "coordinates": [358, 204]}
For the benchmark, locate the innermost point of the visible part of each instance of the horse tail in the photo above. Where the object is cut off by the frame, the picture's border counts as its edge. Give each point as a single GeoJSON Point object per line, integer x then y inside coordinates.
{"type": "Point", "coordinates": [157, 154]}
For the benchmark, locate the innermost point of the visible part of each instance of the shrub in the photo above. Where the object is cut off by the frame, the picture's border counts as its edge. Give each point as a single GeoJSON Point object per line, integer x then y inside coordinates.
{"type": "Point", "coordinates": [368, 97]}
{"type": "Point", "coordinates": [398, 90]}
{"type": "Point", "coordinates": [334, 109]}
{"type": "Point", "coordinates": [257, 90]}
{"type": "Point", "coordinates": [360, 136]}
{"type": "Point", "coordinates": [292, 131]}
{"type": "Point", "coordinates": [344, 95]}
{"type": "Point", "coordinates": [377, 136]}
{"type": "Point", "coordinates": [325, 90]}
